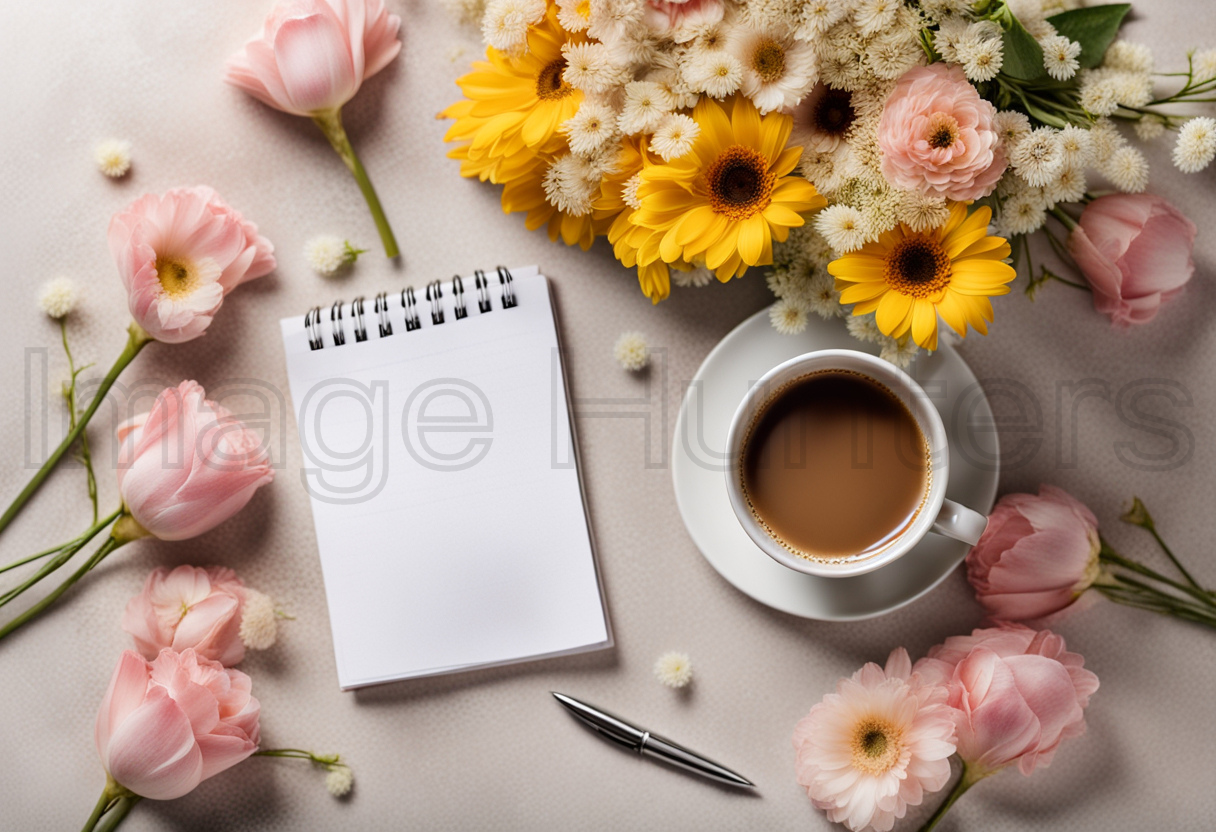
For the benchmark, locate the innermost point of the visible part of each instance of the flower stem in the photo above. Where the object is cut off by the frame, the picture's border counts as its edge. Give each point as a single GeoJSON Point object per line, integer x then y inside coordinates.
{"type": "Point", "coordinates": [137, 338]}
{"type": "Point", "coordinates": [299, 754]}
{"type": "Point", "coordinates": [331, 125]}
{"type": "Point", "coordinates": [110, 795]}
{"type": "Point", "coordinates": [1068, 221]}
{"type": "Point", "coordinates": [970, 778]}
{"type": "Point", "coordinates": [33, 612]}
{"type": "Point", "coordinates": [1109, 555]}
{"type": "Point", "coordinates": [74, 545]}
{"type": "Point", "coordinates": [116, 815]}
{"type": "Point", "coordinates": [86, 458]}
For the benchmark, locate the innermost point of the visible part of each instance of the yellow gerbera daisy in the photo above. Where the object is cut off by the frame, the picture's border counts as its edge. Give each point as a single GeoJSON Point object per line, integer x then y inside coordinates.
{"type": "Point", "coordinates": [728, 199]}
{"type": "Point", "coordinates": [908, 278]}
{"type": "Point", "coordinates": [513, 103]}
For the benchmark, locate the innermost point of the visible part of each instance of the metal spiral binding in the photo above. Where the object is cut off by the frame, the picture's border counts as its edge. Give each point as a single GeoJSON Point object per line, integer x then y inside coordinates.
{"type": "Point", "coordinates": [409, 303]}
{"type": "Point", "coordinates": [434, 293]}
{"type": "Point", "coordinates": [386, 326]}
{"type": "Point", "coordinates": [483, 291]}
{"type": "Point", "coordinates": [335, 322]}
{"type": "Point", "coordinates": [508, 287]}
{"type": "Point", "coordinates": [356, 311]}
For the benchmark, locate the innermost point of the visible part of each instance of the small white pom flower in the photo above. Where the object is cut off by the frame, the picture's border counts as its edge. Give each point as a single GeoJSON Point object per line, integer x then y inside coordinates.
{"type": "Point", "coordinates": [788, 316]}
{"type": "Point", "coordinates": [1075, 145]}
{"type": "Point", "coordinates": [339, 780]}
{"type": "Point", "coordinates": [872, 16]}
{"type": "Point", "coordinates": [259, 621]}
{"type": "Point", "coordinates": [717, 74]}
{"type": "Point", "coordinates": [58, 297]}
{"type": "Point", "coordinates": [113, 157]}
{"type": "Point", "coordinates": [1105, 139]}
{"type": "Point", "coordinates": [693, 278]}
{"type": "Point", "coordinates": [646, 105]}
{"type": "Point", "coordinates": [1196, 145]}
{"type": "Point", "coordinates": [673, 669]}
{"type": "Point", "coordinates": [1127, 169]}
{"type": "Point", "coordinates": [1068, 186]}
{"type": "Point", "coordinates": [1204, 65]}
{"type": "Point", "coordinates": [1023, 212]}
{"type": "Point", "coordinates": [1099, 92]}
{"type": "Point", "coordinates": [629, 191]}
{"type": "Point", "coordinates": [675, 136]}
{"type": "Point", "coordinates": [822, 297]}
{"type": "Point", "coordinates": [570, 185]}
{"type": "Point", "coordinates": [1061, 57]}
{"type": "Point", "coordinates": [328, 255]}
{"type": "Point", "coordinates": [842, 226]}
{"type": "Point", "coordinates": [631, 351]}
{"type": "Point", "coordinates": [1132, 57]}
{"type": "Point", "coordinates": [899, 351]}
{"type": "Point", "coordinates": [1038, 156]}
{"type": "Point", "coordinates": [1012, 127]}
{"type": "Point", "coordinates": [574, 15]}
{"type": "Point", "coordinates": [981, 59]}
{"type": "Point", "coordinates": [1149, 128]}
{"type": "Point", "coordinates": [591, 128]}
{"type": "Point", "coordinates": [505, 25]}
{"type": "Point", "coordinates": [865, 328]}
{"type": "Point", "coordinates": [587, 67]}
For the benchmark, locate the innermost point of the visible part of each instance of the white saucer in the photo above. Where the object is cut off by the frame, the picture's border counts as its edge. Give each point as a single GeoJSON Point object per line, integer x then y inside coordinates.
{"type": "Point", "coordinates": [741, 358]}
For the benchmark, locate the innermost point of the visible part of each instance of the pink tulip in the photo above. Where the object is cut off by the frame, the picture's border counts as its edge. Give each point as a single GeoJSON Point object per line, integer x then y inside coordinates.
{"type": "Point", "coordinates": [1017, 693]}
{"type": "Point", "coordinates": [1135, 252]}
{"type": "Point", "coordinates": [188, 465]}
{"type": "Point", "coordinates": [1037, 556]}
{"type": "Point", "coordinates": [189, 608]}
{"type": "Point", "coordinates": [310, 59]}
{"type": "Point", "coordinates": [179, 254]}
{"type": "Point", "coordinates": [165, 726]}
{"type": "Point", "coordinates": [313, 55]}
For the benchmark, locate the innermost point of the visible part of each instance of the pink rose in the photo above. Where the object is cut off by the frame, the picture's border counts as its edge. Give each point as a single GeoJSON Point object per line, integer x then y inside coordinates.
{"type": "Point", "coordinates": [189, 607]}
{"type": "Point", "coordinates": [179, 254]}
{"type": "Point", "coordinates": [313, 55]}
{"type": "Point", "coordinates": [1135, 252]}
{"type": "Point", "coordinates": [1036, 557]}
{"type": "Point", "coordinates": [187, 465]}
{"type": "Point", "coordinates": [1017, 693]}
{"type": "Point", "coordinates": [165, 726]}
{"type": "Point", "coordinates": [678, 17]}
{"type": "Point", "coordinates": [937, 136]}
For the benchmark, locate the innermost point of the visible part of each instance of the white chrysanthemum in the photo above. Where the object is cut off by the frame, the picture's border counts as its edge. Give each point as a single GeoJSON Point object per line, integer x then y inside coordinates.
{"type": "Point", "coordinates": [1099, 92]}
{"type": "Point", "coordinates": [591, 129]}
{"type": "Point", "coordinates": [1076, 145]}
{"type": "Point", "coordinates": [981, 59]}
{"type": "Point", "coordinates": [899, 351]}
{"type": "Point", "coordinates": [892, 53]}
{"type": "Point", "coordinates": [505, 24]}
{"type": "Point", "coordinates": [1125, 55]}
{"type": "Point", "coordinates": [1012, 127]}
{"type": "Point", "coordinates": [1023, 212]}
{"type": "Point", "coordinates": [1105, 139]}
{"type": "Point", "coordinates": [629, 191]}
{"type": "Point", "coordinates": [614, 19]}
{"type": "Point", "coordinates": [671, 80]}
{"type": "Point", "coordinates": [1068, 185]}
{"type": "Point", "coordinates": [339, 780]}
{"type": "Point", "coordinates": [675, 137]}
{"type": "Point", "coordinates": [788, 316]}
{"type": "Point", "coordinates": [327, 255]}
{"type": "Point", "coordinates": [646, 105]}
{"type": "Point", "coordinates": [631, 351]}
{"type": "Point", "coordinates": [673, 669]}
{"type": "Point", "coordinates": [1203, 64]}
{"type": "Point", "coordinates": [1133, 89]}
{"type": "Point", "coordinates": [843, 226]}
{"type": "Point", "coordinates": [466, 11]}
{"type": "Point", "coordinates": [1196, 145]}
{"type": "Point", "coordinates": [58, 297]}
{"type": "Point", "coordinates": [923, 212]}
{"type": "Point", "coordinates": [777, 70]}
{"type": "Point", "coordinates": [814, 17]}
{"type": "Point", "coordinates": [259, 621]}
{"type": "Point", "coordinates": [865, 328]}
{"type": "Point", "coordinates": [113, 157]}
{"type": "Point", "coordinates": [948, 36]}
{"type": "Point", "coordinates": [1149, 128]}
{"type": "Point", "coordinates": [873, 16]}
{"type": "Point", "coordinates": [717, 74]}
{"type": "Point", "coordinates": [822, 297]}
{"type": "Point", "coordinates": [1127, 169]}
{"type": "Point", "coordinates": [693, 278]}
{"type": "Point", "coordinates": [574, 15]}
{"type": "Point", "coordinates": [587, 67]}
{"type": "Point", "coordinates": [1061, 57]}
{"type": "Point", "coordinates": [570, 185]}
{"type": "Point", "coordinates": [1038, 156]}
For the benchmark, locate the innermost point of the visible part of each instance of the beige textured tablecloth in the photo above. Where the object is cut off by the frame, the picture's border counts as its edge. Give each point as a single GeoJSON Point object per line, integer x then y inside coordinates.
{"type": "Point", "coordinates": [490, 749]}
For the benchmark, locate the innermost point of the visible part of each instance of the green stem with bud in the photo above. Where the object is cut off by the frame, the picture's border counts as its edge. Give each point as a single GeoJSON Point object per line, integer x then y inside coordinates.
{"type": "Point", "coordinates": [330, 124]}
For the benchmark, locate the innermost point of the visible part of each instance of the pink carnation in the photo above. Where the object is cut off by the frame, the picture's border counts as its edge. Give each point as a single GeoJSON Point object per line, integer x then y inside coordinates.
{"type": "Point", "coordinates": [189, 607]}
{"type": "Point", "coordinates": [937, 135]}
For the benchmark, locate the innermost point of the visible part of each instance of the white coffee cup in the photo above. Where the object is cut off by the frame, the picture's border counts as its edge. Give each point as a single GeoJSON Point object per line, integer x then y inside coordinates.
{"type": "Point", "coordinates": [937, 514]}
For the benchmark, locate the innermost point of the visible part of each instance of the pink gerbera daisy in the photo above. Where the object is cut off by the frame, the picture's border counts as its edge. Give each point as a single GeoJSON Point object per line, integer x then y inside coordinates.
{"type": "Point", "coordinates": [876, 746]}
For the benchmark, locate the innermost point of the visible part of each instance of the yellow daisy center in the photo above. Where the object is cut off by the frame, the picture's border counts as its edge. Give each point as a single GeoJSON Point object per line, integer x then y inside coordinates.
{"type": "Point", "coordinates": [877, 746]}
{"type": "Point", "coordinates": [583, 9]}
{"type": "Point", "coordinates": [740, 183]}
{"type": "Point", "coordinates": [769, 61]}
{"type": "Point", "coordinates": [550, 86]}
{"type": "Point", "coordinates": [179, 278]}
{"type": "Point", "coordinates": [943, 130]}
{"type": "Point", "coordinates": [834, 113]}
{"type": "Point", "coordinates": [917, 266]}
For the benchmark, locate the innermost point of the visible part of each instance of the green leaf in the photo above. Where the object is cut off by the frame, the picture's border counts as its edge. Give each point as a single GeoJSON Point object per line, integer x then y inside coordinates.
{"type": "Point", "coordinates": [1093, 27]}
{"type": "Point", "coordinates": [1023, 55]}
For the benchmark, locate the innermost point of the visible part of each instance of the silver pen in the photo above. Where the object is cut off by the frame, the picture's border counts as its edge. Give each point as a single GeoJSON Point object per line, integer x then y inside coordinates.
{"type": "Point", "coordinates": [647, 744]}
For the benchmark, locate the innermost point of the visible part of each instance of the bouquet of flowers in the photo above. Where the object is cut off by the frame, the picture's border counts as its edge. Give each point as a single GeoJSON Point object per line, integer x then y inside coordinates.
{"type": "Point", "coordinates": [868, 153]}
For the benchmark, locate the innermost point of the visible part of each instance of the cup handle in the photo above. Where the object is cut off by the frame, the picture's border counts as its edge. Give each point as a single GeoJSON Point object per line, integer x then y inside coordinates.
{"type": "Point", "coordinates": [959, 522]}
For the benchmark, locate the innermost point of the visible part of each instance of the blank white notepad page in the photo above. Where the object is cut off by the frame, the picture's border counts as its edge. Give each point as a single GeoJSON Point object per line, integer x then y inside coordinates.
{"type": "Point", "coordinates": [445, 491]}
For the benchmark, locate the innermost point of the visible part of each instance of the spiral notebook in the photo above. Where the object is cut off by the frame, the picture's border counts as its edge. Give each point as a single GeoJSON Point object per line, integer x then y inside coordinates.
{"type": "Point", "coordinates": [440, 460]}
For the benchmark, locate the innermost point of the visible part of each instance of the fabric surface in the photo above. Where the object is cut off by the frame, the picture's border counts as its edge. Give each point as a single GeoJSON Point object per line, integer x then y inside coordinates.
{"type": "Point", "coordinates": [491, 749]}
